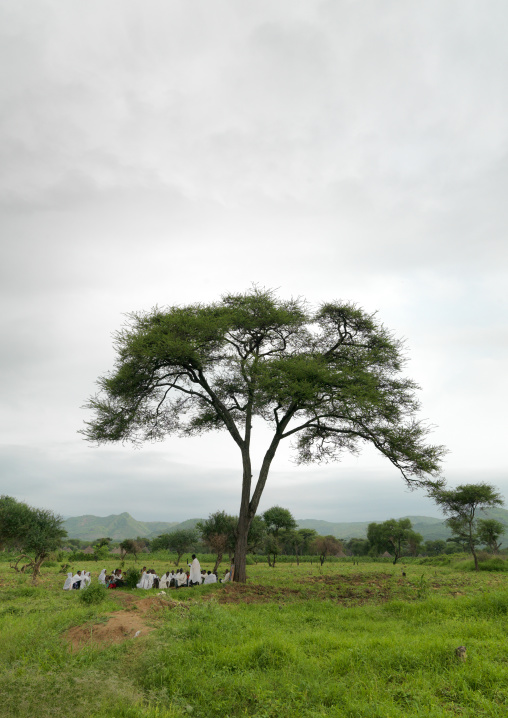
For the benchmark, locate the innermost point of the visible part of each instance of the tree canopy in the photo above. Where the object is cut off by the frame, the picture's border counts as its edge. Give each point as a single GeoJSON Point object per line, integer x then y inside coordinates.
{"type": "Point", "coordinates": [178, 542]}
{"type": "Point", "coordinates": [329, 379]}
{"type": "Point", "coordinates": [35, 532]}
{"type": "Point", "coordinates": [394, 536]}
{"type": "Point", "coordinates": [462, 505]}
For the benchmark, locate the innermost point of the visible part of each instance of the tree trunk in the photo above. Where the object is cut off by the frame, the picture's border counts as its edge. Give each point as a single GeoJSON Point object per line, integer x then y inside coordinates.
{"type": "Point", "coordinates": [244, 521]}
{"type": "Point", "coordinates": [240, 563]}
{"type": "Point", "coordinates": [217, 562]}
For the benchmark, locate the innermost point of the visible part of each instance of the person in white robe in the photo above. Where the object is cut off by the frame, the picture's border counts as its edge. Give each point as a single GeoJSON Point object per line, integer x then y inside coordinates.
{"type": "Point", "coordinates": [102, 576]}
{"type": "Point", "coordinates": [164, 582]}
{"type": "Point", "coordinates": [148, 580]}
{"type": "Point", "coordinates": [142, 578]}
{"type": "Point", "coordinates": [68, 582]}
{"type": "Point", "coordinates": [76, 580]}
{"type": "Point", "coordinates": [180, 578]}
{"type": "Point", "coordinates": [195, 572]}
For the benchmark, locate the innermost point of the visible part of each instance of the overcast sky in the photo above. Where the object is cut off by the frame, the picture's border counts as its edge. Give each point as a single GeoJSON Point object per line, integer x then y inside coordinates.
{"type": "Point", "coordinates": [169, 152]}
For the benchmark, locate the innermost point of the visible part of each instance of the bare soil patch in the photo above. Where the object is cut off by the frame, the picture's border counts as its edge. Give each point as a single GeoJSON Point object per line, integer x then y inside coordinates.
{"type": "Point", "coordinates": [131, 622]}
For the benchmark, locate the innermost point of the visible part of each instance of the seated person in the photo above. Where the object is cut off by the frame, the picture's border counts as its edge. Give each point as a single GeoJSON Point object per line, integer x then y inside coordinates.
{"type": "Point", "coordinates": [76, 580]}
{"type": "Point", "coordinates": [164, 581]}
{"type": "Point", "coordinates": [68, 582]}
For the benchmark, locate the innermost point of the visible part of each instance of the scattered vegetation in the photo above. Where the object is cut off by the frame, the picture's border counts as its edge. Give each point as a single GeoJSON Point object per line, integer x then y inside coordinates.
{"type": "Point", "coordinates": [340, 639]}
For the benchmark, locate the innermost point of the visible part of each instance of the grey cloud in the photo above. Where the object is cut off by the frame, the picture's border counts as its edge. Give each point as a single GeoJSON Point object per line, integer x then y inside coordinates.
{"type": "Point", "coordinates": [333, 150]}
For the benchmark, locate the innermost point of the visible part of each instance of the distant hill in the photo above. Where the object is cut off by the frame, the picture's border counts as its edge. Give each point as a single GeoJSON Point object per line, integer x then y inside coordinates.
{"type": "Point", "coordinates": [117, 527]}
{"type": "Point", "coordinates": [430, 528]}
{"type": "Point", "coordinates": [122, 526]}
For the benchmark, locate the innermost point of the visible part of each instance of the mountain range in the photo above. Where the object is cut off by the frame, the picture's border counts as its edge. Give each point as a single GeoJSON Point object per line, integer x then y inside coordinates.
{"type": "Point", "coordinates": [122, 526]}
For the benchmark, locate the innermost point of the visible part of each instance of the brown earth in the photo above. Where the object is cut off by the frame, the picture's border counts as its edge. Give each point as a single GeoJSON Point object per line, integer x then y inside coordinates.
{"type": "Point", "coordinates": [250, 593]}
{"type": "Point", "coordinates": [131, 622]}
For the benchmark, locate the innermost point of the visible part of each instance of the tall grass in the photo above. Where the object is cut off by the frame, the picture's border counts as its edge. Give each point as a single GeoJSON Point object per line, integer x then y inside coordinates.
{"type": "Point", "coordinates": [338, 640]}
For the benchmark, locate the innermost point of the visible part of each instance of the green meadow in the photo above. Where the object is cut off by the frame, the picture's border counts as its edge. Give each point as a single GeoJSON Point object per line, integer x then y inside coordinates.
{"type": "Point", "coordinates": [359, 641]}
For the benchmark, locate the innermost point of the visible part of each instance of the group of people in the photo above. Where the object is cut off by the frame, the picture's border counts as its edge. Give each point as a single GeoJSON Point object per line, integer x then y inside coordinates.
{"type": "Point", "coordinates": [195, 576]}
{"type": "Point", "coordinates": [80, 580]}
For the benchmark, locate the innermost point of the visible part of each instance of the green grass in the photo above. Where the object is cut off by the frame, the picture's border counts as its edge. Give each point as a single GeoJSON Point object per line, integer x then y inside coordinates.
{"type": "Point", "coordinates": [342, 640]}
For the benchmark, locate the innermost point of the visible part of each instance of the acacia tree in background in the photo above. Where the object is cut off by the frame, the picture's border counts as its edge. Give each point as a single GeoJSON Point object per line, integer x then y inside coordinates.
{"type": "Point", "coordinates": [277, 521]}
{"type": "Point", "coordinates": [34, 532]}
{"type": "Point", "coordinates": [218, 533]}
{"type": "Point", "coordinates": [178, 542]}
{"type": "Point", "coordinates": [394, 535]}
{"type": "Point", "coordinates": [489, 533]}
{"type": "Point", "coordinates": [328, 379]}
{"type": "Point", "coordinates": [130, 546]}
{"type": "Point", "coordinates": [327, 546]}
{"type": "Point", "coordinates": [462, 505]}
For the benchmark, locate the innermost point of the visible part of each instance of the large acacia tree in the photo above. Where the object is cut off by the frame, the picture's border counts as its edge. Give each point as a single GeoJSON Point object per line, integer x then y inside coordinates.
{"type": "Point", "coordinates": [328, 379]}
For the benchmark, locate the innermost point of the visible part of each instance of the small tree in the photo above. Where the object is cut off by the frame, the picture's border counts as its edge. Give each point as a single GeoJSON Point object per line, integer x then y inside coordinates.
{"type": "Point", "coordinates": [130, 546]}
{"type": "Point", "coordinates": [327, 546]}
{"type": "Point", "coordinates": [308, 536]}
{"type": "Point", "coordinates": [489, 532]}
{"type": "Point", "coordinates": [434, 548]}
{"type": "Point", "coordinates": [218, 533]}
{"type": "Point", "coordinates": [35, 532]}
{"type": "Point", "coordinates": [358, 546]}
{"type": "Point", "coordinates": [176, 542]}
{"type": "Point", "coordinates": [276, 520]}
{"type": "Point", "coordinates": [394, 535]}
{"type": "Point", "coordinates": [461, 505]}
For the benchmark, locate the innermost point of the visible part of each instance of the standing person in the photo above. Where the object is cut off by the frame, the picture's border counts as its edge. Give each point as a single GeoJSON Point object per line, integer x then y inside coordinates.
{"type": "Point", "coordinates": [195, 572]}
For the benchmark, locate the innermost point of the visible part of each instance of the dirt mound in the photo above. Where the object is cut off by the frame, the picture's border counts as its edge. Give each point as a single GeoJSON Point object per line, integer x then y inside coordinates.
{"type": "Point", "coordinates": [121, 625]}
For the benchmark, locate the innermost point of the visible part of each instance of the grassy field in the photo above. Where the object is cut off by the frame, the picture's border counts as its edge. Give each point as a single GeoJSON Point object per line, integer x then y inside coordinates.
{"type": "Point", "coordinates": [345, 640]}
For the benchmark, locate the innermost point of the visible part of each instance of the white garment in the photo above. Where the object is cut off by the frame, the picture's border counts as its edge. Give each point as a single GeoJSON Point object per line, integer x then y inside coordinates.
{"type": "Point", "coordinates": [181, 578]}
{"type": "Point", "coordinates": [148, 580]}
{"type": "Point", "coordinates": [102, 576]}
{"type": "Point", "coordinates": [195, 572]}
{"type": "Point", "coordinates": [164, 582]}
{"type": "Point", "coordinates": [68, 582]}
{"type": "Point", "coordinates": [76, 578]}
{"type": "Point", "coordinates": [140, 584]}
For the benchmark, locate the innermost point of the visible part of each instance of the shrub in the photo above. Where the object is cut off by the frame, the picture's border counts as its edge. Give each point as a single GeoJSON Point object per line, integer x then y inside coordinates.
{"type": "Point", "coordinates": [131, 577]}
{"type": "Point", "coordinates": [94, 593]}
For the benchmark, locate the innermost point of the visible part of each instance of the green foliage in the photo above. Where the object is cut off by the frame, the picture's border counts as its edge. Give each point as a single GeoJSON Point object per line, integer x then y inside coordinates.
{"type": "Point", "coordinates": [301, 649]}
{"type": "Point", "coordinates": [489, 532]}
{"type": "Point", "coordinates": [329, 378]}
{"type": "Point", "coordinates": [179, 542]}
{"type": "Point", "coordinates": [394, 536]}
{"type": "Point", "coordinates": [131, 577]}
{"type": "Point", "coordinates": [35, 532]}
{"type": "Point", "coordinates": [325, 546]}
{"type": "Point", "coordinates": [461, 505]}
{"type": "Point", "coordinates": [93, 594]}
